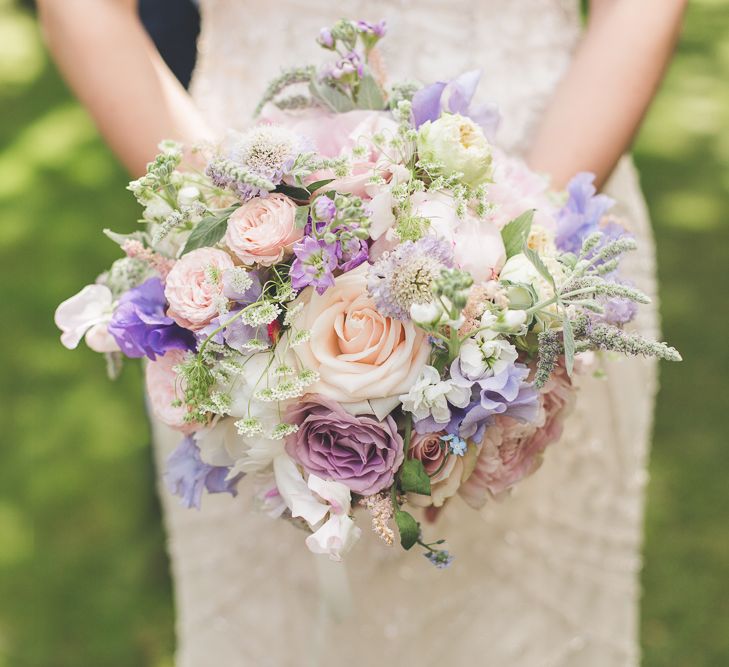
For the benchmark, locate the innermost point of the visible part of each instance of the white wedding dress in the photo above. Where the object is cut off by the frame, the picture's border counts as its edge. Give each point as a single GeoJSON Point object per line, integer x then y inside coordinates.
{"type": "Point", "coordinates": [546, 578]}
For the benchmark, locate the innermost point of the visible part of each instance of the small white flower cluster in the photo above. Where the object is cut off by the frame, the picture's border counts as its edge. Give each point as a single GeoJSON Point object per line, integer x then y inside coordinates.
{"type": "Point", "coordinates": [238, 279]}
{"type": "Point", "coordinates": [263, 312]}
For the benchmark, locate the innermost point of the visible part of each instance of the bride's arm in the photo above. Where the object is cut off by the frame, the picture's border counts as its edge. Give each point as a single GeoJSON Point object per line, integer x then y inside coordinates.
{"type": "Point", "coordinates": [113, 67]}
{"type": "Point", "coordinates": [599, 105]}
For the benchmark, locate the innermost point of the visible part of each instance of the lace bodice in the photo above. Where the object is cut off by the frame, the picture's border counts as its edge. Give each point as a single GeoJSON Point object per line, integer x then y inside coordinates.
{"type": "Point", "coordinates": [547, 578]}
{"type": "Point", "coordinates": [244, 44]}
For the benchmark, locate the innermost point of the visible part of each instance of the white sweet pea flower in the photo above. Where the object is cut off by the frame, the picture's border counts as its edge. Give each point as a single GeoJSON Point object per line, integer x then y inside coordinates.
{"type": "Point", "coordinates": [82, 312]}
{"type": "Point", "coordinates": [313, 502]}
{"type": "Point", "coordinates": [430, 396]}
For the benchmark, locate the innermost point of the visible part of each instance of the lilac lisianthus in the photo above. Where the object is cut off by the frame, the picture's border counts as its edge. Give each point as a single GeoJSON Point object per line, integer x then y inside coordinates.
{"type": "Point", "coordinates": [362, 452]}
{"type": "Point", "coordinates": [455, 97]}
{"type": "Point", "coordinates": [314, 264]}
{"type": "Point", "coordinates": [186, 475]}
{"type": "Point", "coordinates": [581, 214]}
{"type": "Point", "coordinates": [140, 325]}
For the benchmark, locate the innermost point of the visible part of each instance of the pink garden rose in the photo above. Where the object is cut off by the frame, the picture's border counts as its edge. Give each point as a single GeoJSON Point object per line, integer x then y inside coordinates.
{"type": "Point", "coordinates": [511, 451]}
{"type": "Point", "coordinates": [164, 389]}
{"type": "Point", "coordinates": [362, 453]}
{"type": "Point", "coordinates": [360, 354]}
{"type": "Point", "coordinates": [194, 287]}
{"type": "Point", "coordinates": [444, 469]}
{"type": "Point", "coordinates": [263, 229]}
{"type": "Point", "coordinates": [477, 244]}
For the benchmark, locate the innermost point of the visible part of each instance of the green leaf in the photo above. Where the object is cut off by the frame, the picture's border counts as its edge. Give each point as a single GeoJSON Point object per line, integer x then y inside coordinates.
{"type": "Point", "coordinates": [568, 337]}
{"type": "Point", "coordinates": [539, 265]}
{"type": "Point", "coordinates": [331, 97]}
{"type": "Point", "coordinates": [209, 230]}
{"type": "Point", "coordinates": [409, 529]}
{"type": "Point", "coordinates": [413, 477]}
{"type": "Point", "coordinates": [302, 216]}
{"type": "Point", "coordinates": [516, 232]}
{"type": "Point", "coordinates": [298, 194]}
{"type": "Point", "coordinates": [369, 94]}
{"type": "Point", "coordinates": [317, 185]}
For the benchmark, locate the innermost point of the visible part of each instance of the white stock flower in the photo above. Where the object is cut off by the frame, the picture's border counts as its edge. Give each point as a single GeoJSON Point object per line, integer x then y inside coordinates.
{"type": "Point", "coordinates": [430, 396]}
{"type": "Point", "coordinates": [485, 353]}
{"type": "Point", "coordinates": [459, 145]}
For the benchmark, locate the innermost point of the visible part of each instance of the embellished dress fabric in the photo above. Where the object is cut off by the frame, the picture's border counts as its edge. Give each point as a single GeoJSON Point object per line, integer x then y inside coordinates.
{"type": "Point", "coordinates": [545, 578]}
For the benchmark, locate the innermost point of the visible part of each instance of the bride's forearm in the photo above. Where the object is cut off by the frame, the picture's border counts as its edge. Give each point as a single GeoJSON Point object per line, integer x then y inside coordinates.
{"type": "Point", "coordinates": [599, 105]}
{"type": "Point", "coordinates": [111, 64]}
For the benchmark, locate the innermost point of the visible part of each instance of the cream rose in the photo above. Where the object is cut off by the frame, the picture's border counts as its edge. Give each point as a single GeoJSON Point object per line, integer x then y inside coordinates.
{"type": "Point", "coordinates": [363, 359]}
{"type": "Point", "coordinates": [194, 287]}
{"type": "Point", "coordinates": [263, 229]}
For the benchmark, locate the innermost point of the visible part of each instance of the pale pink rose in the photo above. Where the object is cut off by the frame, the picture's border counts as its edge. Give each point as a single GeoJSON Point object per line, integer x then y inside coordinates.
{"type": "Point", "coordinates": [194, 287]}
{"type": "Point", "coordinates": [517, 189]}
{"type": "Point", "coordinates": [444, 469]}
{"type": "Point", "coordinates": [511, 451]}
{"type": "Point", "coordinates": [263, 229]}
{"type": "Point", "coordinates": [164, 388]}
{"type": "Point", "coordinates": [477, 244]}
{"type": "Point", "coordinates": [359, 354]}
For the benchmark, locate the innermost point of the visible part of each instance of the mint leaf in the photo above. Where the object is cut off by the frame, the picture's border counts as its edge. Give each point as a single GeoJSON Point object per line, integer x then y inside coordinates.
{"type": "Point", "coordinates": [409, 529]}
{"type": "Point", "coordinates": [568, 338]}
{"type": "Point", "coordinates": [209, 230]}
{"type": "Point", "coordinates": [516, 232]}
{"type": "Point", "coordinates": [413, 477]}
{"type": "Point", "coordinates": [299, 194]}
{"type": "Point", "coordinates": [302, 216]}
{"type": "Point", "coordinates": [539, 265]}
{"type": "Point", "coordinates": [316, 185]}
{"type": "Point", "coordinates": [331, 97]}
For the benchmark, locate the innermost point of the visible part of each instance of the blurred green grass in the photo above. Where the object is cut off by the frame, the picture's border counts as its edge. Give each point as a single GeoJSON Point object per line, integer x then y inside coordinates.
{"type": "Point", "coordinates": [83, 574]}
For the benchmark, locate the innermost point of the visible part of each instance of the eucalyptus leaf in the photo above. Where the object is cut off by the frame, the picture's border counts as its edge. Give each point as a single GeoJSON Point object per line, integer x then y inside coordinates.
{"type": "Point", "coordinates": [209, 230]}
{"type": "Point", "coordinates": [516, 233]}
{"type": "Point", "coordinates": [317, 185]}
{"type": "Point", "coordinates": [298, 194]}
{"type": "Point", "coordinates": [335, 100]}
{"type": "Point", "coordinates": [409, 529]}
{"type": "Point", "coordinates": [568, 337]}
{"type": "Point", "coordinates": [369, 94]}
{"type": "Point", "coordinates": [539, 265]}
{"type": "Point", "coordinates": [413, 477]}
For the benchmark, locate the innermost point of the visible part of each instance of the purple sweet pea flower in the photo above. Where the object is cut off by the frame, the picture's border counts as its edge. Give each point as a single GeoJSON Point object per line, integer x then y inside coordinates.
{"type": "Point", "coordinates": [455, 97]}
{"type": "Point", "coordinates": [141, 327]}
{"type": "Point", "coordinates": [315, 261]}
{"type": "Point", "coordinates": [582, 213]}
{"type": "Point", "coordinates": [186, 474]}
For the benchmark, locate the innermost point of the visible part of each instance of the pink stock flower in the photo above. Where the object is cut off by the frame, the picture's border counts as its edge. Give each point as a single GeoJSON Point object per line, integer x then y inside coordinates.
{"type": "Point", "coordinates": [164, 389]}
{"type": "Point", "coordinates": [262, 230]}
{"type": "Point", "coordinates": [194, 287]}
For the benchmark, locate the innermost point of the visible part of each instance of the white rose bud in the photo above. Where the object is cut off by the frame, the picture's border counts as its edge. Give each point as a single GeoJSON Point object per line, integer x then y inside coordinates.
{"type": "Point", "coordinates": [514, 320]}
{"type": "Point", "coordinates": [459, 145]}
{"type": "Point", "coordinates": [426, 314]}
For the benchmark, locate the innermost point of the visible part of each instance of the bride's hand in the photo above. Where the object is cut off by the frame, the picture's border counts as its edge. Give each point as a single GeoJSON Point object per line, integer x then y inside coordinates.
{"type": "Point", "coordinates": [599, 105]}
{"type": "Point", "coordinates": [109, 61]}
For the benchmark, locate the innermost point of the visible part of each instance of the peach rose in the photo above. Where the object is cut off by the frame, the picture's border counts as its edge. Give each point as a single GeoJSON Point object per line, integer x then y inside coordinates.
{"type": "Point", "coordinates": [163, 389]}
{"type": "Point", "coordinates": [363, 359]}
{"type": "Point", "coordinates": [194, 287]}
{"type": "Point", "coordinates": [263, 229]}
{"type": "Point", "coordinates": [444, 469]}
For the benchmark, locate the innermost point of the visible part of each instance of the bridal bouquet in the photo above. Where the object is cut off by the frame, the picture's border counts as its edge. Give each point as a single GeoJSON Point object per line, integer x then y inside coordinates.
{"type": "Point", "coordinates": [359, 300]}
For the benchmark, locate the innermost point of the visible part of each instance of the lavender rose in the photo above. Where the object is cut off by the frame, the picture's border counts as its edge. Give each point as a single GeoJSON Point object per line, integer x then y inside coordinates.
{"type": "Point", "coordinates": [360, 452]}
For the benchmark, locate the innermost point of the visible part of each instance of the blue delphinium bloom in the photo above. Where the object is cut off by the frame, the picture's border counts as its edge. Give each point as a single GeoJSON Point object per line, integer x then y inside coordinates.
{"type": "Point", "coordinates": [141, 327]}
{"type": "Point", "coordinates": [186, 475]}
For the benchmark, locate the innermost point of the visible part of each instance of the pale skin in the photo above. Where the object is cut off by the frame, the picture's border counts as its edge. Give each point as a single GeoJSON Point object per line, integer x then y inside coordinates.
{"type": "Point", "coordinates": [112, 65]}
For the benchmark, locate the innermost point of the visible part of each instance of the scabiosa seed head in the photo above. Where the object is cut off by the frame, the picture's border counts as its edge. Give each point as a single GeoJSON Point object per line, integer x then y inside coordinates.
{"type": "Point", "coordinates": [405, 276]}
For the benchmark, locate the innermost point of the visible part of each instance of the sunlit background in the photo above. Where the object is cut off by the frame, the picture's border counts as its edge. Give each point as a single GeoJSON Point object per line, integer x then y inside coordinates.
{"type": "Point", "coordinates": [83, 573]}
